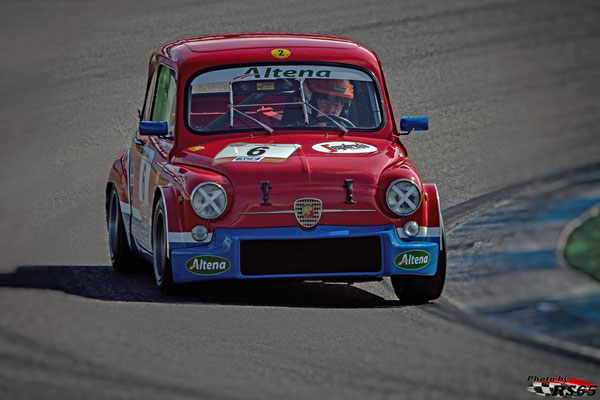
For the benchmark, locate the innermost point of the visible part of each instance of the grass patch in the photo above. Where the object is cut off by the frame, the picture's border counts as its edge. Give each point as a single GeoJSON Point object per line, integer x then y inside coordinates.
{"type": "Point", "coordinates": [583, 248]}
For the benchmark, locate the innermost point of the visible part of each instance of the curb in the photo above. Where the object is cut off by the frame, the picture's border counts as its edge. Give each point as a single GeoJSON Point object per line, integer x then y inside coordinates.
{"type": "Point", "coordinates": [467, 211]}
{"type": "Point", "coordinates": [525, 336]}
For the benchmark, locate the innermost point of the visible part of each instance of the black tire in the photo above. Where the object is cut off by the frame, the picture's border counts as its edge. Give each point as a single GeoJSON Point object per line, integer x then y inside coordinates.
{"type": "Point", "coordinates": [161, 260]}
{"type": "Point", "coordinates": [121, 256]}
{"type": "Point", "coordinates": [421, 289]}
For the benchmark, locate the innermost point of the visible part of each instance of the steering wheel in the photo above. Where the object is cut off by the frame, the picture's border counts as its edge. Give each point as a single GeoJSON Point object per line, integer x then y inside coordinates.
{"type": "Point", "coordinates": [345, 122]}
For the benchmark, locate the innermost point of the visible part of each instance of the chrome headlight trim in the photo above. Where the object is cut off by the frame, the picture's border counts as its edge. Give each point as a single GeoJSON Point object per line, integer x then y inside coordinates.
{"type": "Point", "coordinates": [210, 201]}
{"type": "Point", "coordinates": [391, 188]}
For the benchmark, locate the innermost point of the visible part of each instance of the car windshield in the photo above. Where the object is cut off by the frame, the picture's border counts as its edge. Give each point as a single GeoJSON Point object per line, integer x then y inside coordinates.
{"type": "Point", "coordinates": [283, 97]}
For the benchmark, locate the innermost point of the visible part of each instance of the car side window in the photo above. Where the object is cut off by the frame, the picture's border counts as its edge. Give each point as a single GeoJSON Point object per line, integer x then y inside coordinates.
{"type": "Point", "coordinates": [164, 98]}
{"type": "Point", "coordinates": [149, 91]}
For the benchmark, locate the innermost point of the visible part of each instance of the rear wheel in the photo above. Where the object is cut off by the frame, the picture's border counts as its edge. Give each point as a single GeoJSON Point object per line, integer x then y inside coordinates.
{"type": "Point", "coordinates": [161, 260]}
{"type": "Point", "coordinates": [421, 289]}
{"type": "Point", "coordinates": [121, 256]}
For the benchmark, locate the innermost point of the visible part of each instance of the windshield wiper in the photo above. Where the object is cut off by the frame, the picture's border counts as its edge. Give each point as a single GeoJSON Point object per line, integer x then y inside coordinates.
{"type": "Point", "coordinates": [232, 109]}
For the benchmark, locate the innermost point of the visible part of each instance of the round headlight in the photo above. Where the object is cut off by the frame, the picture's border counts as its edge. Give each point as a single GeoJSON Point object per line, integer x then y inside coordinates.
{"type": "Point", "coordinates": [403, 197]}
{"type": "Point", "coordinates": [209, 200]}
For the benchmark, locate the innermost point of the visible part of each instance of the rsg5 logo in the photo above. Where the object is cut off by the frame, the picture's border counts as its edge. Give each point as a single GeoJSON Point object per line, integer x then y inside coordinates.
{"type": "Point", "coordinates": [561, 386]}
{"type": "Point", "coordinates": [572, 390]}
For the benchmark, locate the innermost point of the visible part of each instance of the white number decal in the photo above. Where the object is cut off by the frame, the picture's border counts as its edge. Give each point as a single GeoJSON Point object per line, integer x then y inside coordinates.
{"type": "Point", "coordinates": [272, 153]}
{"type": "Point", "coordinates": [145, 169]}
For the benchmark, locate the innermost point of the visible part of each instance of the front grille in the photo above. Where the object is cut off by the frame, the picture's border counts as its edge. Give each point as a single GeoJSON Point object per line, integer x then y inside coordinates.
{"type": "Point", "coordinates": [310, 256]}
{"type": "Point", "coordinates": [308, 211]}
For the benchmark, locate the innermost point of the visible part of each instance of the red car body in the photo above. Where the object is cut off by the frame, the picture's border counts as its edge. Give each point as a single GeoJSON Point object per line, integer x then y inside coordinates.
{"type": "Point", "coordinates": [161, 172]}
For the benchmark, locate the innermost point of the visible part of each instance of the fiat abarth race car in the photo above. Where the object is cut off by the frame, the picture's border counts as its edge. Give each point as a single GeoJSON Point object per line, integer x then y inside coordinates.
{"type": "Point", "coordinates": [267, 155]}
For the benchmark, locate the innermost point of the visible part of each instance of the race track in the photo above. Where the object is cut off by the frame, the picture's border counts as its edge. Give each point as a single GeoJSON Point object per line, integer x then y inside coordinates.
{"type": "Point", "coordinates": [513, 94]}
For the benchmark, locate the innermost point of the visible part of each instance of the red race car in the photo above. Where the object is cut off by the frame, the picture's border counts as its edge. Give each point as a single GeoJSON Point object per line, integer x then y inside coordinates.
{"type": "Point", "coordinates": [270, 155]}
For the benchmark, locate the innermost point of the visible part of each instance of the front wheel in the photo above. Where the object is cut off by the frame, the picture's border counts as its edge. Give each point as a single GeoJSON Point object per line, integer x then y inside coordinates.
{"type": "Point", "coordinates": [421, 289]}
{"type": "Point", "coordinates": [161, 260]}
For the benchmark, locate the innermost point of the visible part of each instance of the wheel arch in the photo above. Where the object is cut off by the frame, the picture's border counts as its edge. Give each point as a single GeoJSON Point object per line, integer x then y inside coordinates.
{"type": "Point", "coordinates": [118, 178]}
{"type": "Point", "coordinates": [434, 209]}
{"type": "Point", "coordinates": [168, 196]}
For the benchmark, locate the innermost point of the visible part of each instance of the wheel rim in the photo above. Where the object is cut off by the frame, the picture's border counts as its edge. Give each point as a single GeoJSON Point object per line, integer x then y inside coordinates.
{"type": "Point", "coordinates": [113, 226]}
{"type": "Point", "coordinates": [159, 246]}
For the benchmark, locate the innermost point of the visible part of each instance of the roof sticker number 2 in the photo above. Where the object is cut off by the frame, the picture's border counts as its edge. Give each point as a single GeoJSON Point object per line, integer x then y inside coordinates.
{"type": "Point", "coordinates": [281, 53]}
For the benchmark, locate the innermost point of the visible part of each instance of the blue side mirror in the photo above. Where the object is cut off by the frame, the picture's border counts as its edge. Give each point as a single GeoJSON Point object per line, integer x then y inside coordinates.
{"type": "Point", "coordinates": [153, 128]}
{"type": "Point", "coordinates": [409, 124]}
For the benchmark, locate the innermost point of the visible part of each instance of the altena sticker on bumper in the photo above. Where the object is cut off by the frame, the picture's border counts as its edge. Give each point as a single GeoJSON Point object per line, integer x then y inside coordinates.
{"type": "Point", "coordinates": [412, 260]}
{"type": "Point", "coordinates": [207, 265]}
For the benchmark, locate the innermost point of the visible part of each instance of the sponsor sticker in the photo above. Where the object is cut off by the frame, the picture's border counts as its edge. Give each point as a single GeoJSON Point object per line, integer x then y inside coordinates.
{"type": "Point", "coordinates": [261, 72]}
{"type": "Point", "coordinates": [265, 85]}
{"type": "Point", "coordinates": [284, 72]}
{"type": "Point", "coordinates": [412, 260]}
{"type": "Point", "coordinates": [207, 265]}
{"type": "Point", "coordinates": [281, 53]}
{"type": "Point", "coordinates": [344, 148]}
{"type": "Point", "coordinates": [560, 386]}
{"type": "Point", "coordinates": [256, 152]}
{"type": "Point", "coordinates": [247, 158]}
{"type": "Point", "coordinates": [196, 148]}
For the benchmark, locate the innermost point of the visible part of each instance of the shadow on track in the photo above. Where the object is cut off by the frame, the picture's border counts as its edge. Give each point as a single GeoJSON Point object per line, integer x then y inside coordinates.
{"type": "Point", "coordinates": [102, 283]}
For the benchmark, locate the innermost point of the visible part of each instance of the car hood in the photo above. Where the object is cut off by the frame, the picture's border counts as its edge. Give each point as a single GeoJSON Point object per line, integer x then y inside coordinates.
{"type": "Point", "coordinates": [295, 160]}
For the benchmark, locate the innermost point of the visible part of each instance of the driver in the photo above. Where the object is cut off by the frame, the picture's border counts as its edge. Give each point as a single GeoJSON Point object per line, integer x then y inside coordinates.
{"type": "Point", "coordinates": [330, 96]}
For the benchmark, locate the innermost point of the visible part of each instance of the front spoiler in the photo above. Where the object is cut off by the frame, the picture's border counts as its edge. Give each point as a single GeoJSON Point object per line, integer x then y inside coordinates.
{"type": "Point", "coordinates": [225, 243]}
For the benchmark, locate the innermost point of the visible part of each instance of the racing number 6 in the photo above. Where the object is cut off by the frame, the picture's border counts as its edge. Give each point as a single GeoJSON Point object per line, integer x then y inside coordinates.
{"type": "Point", "coordinates": [257, 151]}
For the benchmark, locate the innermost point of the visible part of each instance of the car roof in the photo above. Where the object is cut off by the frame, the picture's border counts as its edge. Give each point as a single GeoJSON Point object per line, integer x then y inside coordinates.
{"type": "Point", "coordinates": [212, 50]}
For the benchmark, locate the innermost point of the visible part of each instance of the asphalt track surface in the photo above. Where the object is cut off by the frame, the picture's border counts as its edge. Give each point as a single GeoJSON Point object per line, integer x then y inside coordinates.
{"type": "Point", "coordinates": [512, 90]}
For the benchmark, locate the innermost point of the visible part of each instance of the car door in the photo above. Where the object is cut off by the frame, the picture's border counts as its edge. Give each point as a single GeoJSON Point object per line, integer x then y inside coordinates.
{"type": "Point", "coordinates": [149, 153]}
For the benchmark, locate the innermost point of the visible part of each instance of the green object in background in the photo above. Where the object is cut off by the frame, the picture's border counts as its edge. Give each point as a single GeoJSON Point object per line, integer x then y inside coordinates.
{"type": "Point", "coordinates": [583, 248]}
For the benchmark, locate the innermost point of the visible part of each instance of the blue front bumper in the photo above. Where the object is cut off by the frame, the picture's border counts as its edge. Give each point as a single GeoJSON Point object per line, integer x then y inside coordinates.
{"type": "Point", "coordinates": [225, 247]}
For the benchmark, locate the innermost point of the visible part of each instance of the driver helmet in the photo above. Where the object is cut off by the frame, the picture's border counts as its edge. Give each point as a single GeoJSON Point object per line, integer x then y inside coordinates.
{"type": "Point", "coordinates": [339, 90]}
